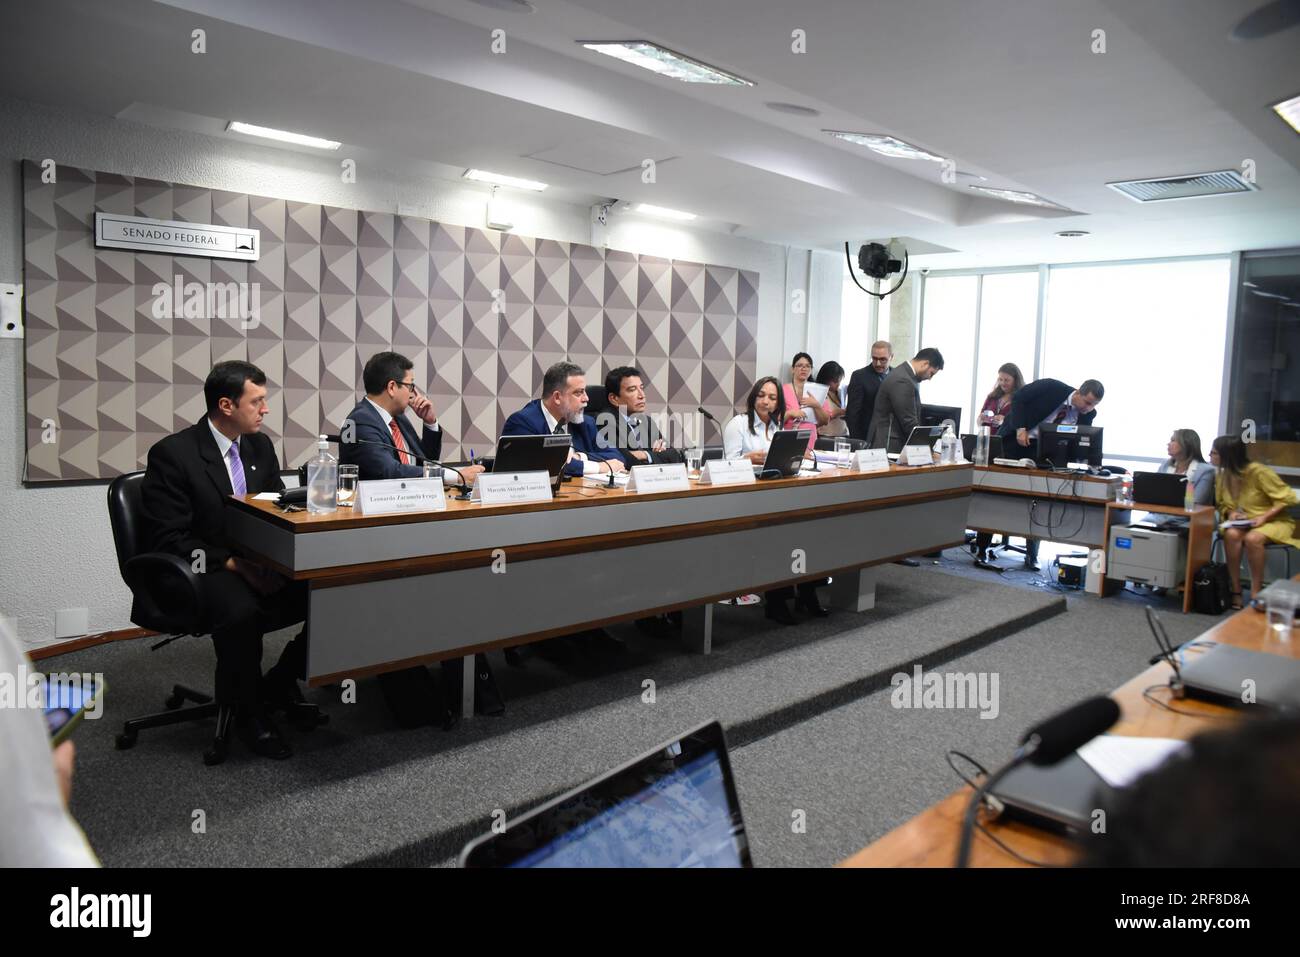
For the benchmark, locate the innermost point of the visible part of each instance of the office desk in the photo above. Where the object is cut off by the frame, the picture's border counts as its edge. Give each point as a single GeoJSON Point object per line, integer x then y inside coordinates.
{"type": "Point", "coordinates": [1038, 503]}
{"type": "Point", "coordinates": [391, 591]}
{"type": "Point", "coordinates": [931, 838]}
{"type": "Point", "coordinates": [1200, 536]}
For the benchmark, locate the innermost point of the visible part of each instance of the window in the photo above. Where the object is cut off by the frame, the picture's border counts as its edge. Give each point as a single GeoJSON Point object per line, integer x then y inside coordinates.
{"type": "Point", "coordinates": [1008, 327]}
{"type": "Point", "coordinates": [855, 327]}
{"type": "Point", "coordinates": [1153, 333]}
{"type": "Point", "coordinates": [948, 324]}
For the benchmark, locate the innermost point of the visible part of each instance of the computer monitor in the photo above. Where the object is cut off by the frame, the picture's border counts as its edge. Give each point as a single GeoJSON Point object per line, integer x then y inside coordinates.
{"type": "Point", "coordinates": [533, 453]}
{"type": "Point", "coordinates": [786, 453]}
{"type": "Point", "coordinates": [673, 807]}
{"type": "Point", "coordinates": [1063, 444]}
{"type": "Point", "coordinates": [939, 414]}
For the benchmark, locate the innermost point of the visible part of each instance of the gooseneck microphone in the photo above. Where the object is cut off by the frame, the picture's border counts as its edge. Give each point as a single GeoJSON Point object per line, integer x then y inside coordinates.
{"type": "Point", "coordinates": [1044, 744]}
{"type": "Point", "coordinates": [463, 487]}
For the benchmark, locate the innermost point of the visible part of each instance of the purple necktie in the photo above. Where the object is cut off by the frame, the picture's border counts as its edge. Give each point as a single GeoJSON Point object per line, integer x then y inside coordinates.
{"type": "Point", "coordinates": [237, 471]}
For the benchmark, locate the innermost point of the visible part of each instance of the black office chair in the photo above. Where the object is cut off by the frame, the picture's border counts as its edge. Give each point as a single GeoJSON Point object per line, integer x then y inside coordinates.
{"type": "Point", "coordinates": [167, 599]}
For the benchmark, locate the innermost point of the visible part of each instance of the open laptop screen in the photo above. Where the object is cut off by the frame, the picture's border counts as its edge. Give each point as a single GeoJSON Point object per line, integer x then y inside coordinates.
{"type": "Point", "coordinates": [674, 807]}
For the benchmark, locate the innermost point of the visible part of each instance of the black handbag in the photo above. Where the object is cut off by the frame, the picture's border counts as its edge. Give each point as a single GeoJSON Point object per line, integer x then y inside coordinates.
{"type": "Point", "coordinates": [1211, 589]}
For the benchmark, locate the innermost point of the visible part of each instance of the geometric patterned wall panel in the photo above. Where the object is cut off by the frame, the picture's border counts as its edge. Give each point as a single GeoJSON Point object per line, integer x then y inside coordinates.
{"type": "Point", "coordinates": [481, 313]}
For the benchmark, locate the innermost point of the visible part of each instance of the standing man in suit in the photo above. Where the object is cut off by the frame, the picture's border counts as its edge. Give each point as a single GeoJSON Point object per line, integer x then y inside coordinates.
{"type": "Point", "coordinates": [379, 439]}
{"type": "Point", "coordinates": [188, 479]}
{"type": "Point", "coordinates": [898, 403]}
{"type": "Point", "coordinates": [560, 411]}
{"type": "Point", "coordinates": [863, 386]}
{"type": "Point", "coordinates": [627, 427]}
{"type": "Point", "coordinates": [1050, 401]}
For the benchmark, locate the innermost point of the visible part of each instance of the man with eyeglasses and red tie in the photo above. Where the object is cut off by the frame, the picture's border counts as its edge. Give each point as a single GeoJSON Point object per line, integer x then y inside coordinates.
{"type": "Point", "coordinates": [379, 438]}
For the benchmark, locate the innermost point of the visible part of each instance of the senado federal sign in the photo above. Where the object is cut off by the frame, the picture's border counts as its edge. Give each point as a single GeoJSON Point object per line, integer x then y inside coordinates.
{"type": "Point", "coordinates": [179, 239]}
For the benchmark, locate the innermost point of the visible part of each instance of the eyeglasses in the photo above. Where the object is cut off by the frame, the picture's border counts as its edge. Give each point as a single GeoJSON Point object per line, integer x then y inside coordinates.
{"type": "Point", "coordinates": [415, 389]}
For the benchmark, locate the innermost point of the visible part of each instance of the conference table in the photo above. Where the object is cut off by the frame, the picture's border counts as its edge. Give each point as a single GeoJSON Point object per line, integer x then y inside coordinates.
{"type": "Point", "coordinates": [1071, 507]}
{"type": "Point", "coordinates": [387, 592]}
{"type": "Point", "coordinates": [931, 838]}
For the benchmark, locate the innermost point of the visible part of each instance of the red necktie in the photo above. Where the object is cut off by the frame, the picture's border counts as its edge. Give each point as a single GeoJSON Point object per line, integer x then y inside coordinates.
{"type": "Point", "coordinates": [399, 442]}
{"type": "Point", "coordinates": [1060, 417]}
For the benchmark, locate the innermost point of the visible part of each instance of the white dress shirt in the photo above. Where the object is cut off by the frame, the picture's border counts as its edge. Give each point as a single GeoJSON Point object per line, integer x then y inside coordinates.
{"type": "Point", "coordinates": [589, 466]}
{"type": "Point", "coordinates": [738, 440]}
{"type": "Point", "coordinates": [223, 446]}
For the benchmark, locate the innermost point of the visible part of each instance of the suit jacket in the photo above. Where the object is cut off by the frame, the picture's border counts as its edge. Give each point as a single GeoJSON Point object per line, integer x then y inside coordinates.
{"type": "Point", "coordinates": [864, 384]}
{"type": "Point", "coordinates": [898, 409]}
{"type": "Point", "coordinates": [1036, 402]}
{"type": "Point", "coordinates": [531, 420]}
{"type": "Point", "coordinates": [374, 462]}
{"type": "Point", "coordinates": [185, 489]}
{"type": "Point", "coordinates": [611, 428]}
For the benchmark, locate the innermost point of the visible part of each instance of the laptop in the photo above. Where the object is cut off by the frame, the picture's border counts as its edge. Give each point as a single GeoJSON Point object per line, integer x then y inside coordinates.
{"type": "Point", "coordinates": [674, 806]}
{"type": "Point", "coordinates": [533, 453]}
{"type": "Point", "coordinates": [968, 447]}
{"type": "Point", "coordinates": [1060, 798]}
{"type": "Point", "coordinates": [1221, 674]}
{"type": "Point", "coordinates": [925, 435]}
{"type": "Point", "coordinates": [785, 454]}
{"type": "Point", "coordinates": [1159, 488]}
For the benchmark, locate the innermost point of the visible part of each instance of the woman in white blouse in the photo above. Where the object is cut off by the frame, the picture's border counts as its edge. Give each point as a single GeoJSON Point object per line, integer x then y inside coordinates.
{"type": "Point", "coordinates": [748, 435]}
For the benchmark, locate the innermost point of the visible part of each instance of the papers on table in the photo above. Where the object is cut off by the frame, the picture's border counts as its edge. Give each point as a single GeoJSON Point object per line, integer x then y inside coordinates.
{"type": "Point", "coordinates": [266, 497]}
{"type": "Point", "coordinates": [620, 479]}
{"type": "Point", "coordinates": [1120, 760]}
{"type": "Point", "coordinates": [1236, 523]}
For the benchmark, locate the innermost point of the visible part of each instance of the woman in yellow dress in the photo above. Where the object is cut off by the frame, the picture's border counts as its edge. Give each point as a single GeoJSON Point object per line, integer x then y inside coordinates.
{"type": "Point", "coordinates": [1254, 492]}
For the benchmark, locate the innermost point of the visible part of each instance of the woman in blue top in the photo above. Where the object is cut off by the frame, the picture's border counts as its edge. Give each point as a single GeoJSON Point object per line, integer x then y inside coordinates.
{"type": "Point", "coordinates": [1185, 458]}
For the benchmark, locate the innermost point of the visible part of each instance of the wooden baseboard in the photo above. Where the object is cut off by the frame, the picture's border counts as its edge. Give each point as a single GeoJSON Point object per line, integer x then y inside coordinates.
{"type": "Point", "coordinates": [87, 641]}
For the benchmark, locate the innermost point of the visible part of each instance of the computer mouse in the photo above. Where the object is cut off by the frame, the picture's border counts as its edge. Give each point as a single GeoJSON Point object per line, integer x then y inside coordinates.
{"type": "Point", "coordinates": [1104, 472]}
{"type": "Point", "coordinates": [1029, 463]}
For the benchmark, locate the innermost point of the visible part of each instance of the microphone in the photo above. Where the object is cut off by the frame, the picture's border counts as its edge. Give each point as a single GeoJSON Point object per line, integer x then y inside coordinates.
{"type": "Point", "coordinates": [1044, 744]}
{"type": "Point", "coordinates": [463, 487]}
{"type": "Point", "coordinates": [705, 412]}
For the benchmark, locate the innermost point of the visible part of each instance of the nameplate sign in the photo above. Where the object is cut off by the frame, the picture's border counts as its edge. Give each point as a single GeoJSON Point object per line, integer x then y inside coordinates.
{"type": "Point", "coordinates": [660, 478]}
{"type": "Point", "coordinates": [512, 488]}
{"type": "Point", "coordinates": [870, 460]}
{"type": "Point", "coordinates": [727, 472]}
{"type": "Point", "coordinates": [389, 496]}
{"type": "Point", "coordinates": [916, 455]}
{"type": "Point", "coordinates": [179, 239]}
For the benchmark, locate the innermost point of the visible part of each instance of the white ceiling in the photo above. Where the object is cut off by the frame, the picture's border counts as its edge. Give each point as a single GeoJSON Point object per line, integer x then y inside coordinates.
{"type": "Point", "coordinates": [1010, 89]}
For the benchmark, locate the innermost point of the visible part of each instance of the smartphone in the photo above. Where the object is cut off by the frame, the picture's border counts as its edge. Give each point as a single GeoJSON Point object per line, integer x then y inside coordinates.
{"type": "Point", "coordinates": [66, 704]}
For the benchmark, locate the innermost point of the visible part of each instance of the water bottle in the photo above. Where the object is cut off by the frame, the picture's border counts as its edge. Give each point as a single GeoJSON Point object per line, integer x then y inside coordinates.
{"type": "Point", "coordinates": [1126, 490]}
{"type": "Point", "coordinates": [982, 446]}
{"type": "Point", "coordinates": [322, 480]}
{"type": "Point", "coordinates": [1189, 496]}
{"type": "Point", "coordinates": [948, 445]}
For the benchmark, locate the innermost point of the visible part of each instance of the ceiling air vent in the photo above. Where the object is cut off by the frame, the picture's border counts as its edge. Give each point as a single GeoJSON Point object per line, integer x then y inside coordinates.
{"type": "Point", "coordinates": [1222, 183]}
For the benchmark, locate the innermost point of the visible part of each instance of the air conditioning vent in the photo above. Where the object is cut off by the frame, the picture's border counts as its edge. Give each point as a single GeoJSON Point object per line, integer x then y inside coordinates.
{"type": "Point", "coordinates": [1221, 183]}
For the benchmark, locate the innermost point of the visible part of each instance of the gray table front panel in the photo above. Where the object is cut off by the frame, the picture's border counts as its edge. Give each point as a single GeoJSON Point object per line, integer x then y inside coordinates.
{"type": "Point", "coordinates": [1090, 488]}
{"type": "Point", "coordinates": [481, 529]}
{"type": "Point", "coordinates": [1073, 522]}
{"type": "Point", "coordinates": [356, 626]}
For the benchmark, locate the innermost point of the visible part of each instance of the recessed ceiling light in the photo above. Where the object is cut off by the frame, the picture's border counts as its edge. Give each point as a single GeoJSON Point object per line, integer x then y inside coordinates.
{"type": "Point", "coordinates": [1289, 110]}
{"type": "Point", "coordinates": [497, 179]}
{"type": "Point", "coordinates": [1016, 196]}
{"type": "Point", "coordinates": [510, 6]}
{"type": "Point", "coordinates": [794, 109]}
{"type": "Point", "coordinates": [661, 60]}
{"type": "Point", "coordinates": [664, 212]}
{"type": "Point", "coordinates": [886, 145]}
{"type": "Point", "coordinates": [298, 139]}
{"type": "Point", "coordinates": [1073, 233]}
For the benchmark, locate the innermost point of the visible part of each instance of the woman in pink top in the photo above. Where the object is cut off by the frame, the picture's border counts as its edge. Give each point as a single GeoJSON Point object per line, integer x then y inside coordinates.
{"type": "Point", "coordinates": [802, 411]}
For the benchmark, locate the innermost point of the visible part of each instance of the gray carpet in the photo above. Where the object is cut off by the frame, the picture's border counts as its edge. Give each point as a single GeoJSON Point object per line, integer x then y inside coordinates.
{"type": "Point", "coordinates": [363, 791]}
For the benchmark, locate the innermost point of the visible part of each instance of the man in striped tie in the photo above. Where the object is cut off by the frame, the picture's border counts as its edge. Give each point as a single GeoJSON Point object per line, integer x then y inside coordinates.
{"type": "Point", "coordinates": [187, 481]}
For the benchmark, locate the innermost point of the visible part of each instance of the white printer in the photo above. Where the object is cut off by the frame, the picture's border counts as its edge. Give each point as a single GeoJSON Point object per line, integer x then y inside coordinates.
{"type": "Point", "coordinates": [1146, 555]}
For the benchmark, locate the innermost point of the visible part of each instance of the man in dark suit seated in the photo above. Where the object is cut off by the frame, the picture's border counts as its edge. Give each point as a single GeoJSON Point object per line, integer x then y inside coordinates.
{"type": "Point", "coordinates": [1050, 402]}
{"type": "Point", "coordinates": [189, 477]}
{"type": "Point", "coordinates": [627, 427]}
{"type": "Point", "coordinates": [560, 411]}
{"type": "Point", "coordinates": [378, 438]}
{"type": "Point", "coordinates": [863, 386]}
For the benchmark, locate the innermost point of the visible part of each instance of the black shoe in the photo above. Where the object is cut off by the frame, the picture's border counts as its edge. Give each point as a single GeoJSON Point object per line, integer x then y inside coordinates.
{"type": "Point", "coordinates": [777, 611]}
{"type": "Point", "coordinates": [809, 603]}
{"type": "Point", "coordinates": [656, 626]}
{"type": "Point", "coordinates": [487, 699]}
{"type": "Point", "coordinates": [281, 694]}
{"type": "Point", "coordinates": [260, 736]}
{"type": "Point", "coordinates": [909, 562]}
